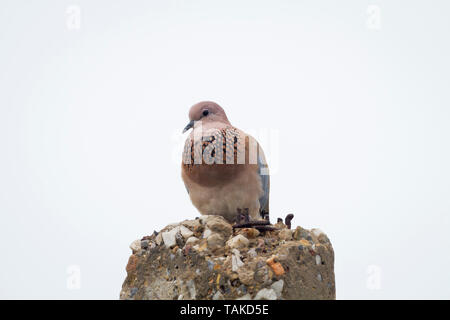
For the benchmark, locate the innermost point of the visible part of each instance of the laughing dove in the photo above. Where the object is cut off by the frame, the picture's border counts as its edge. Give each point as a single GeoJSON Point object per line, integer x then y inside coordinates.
{"type": "Point", "coordinates": [223, 168]}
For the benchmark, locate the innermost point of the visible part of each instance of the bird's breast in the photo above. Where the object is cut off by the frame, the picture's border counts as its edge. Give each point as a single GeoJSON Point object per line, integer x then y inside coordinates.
{"type": "Point", "coordinates": [216, 156]}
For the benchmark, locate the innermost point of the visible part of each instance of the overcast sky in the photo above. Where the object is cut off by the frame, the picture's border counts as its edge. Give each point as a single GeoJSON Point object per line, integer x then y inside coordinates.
{"type": "Point", "coordinates": [349, 99]}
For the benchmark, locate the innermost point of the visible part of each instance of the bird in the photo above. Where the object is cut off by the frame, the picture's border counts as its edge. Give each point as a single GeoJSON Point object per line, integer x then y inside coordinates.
{"type": "Point", "coordinates": [224, 169]}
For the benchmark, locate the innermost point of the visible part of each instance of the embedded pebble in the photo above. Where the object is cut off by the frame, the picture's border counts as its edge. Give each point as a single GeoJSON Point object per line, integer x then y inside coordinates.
{"type": "Point", "coordinates": [192, 240]}
{"type": "Point", "coordinates": [191, 224]}
{"type": "Point", "coordinates": [252, 253]}
{"type": "Point", "coordinates": [245, 297]}
{"type": "Point", "coordinates": [285, 234]}
{"type": "Point", "coordinates": [277, 286]}
{"type": "Point", "coordinates": [158, 239]}
{"type": "Point", "coordinates": [236, 261]}
{"type": "Point", "coordinates": [305, 242]}
{"type": "Point", "coordinates": [246, 275]}
{"type": "Point", "coordinates": [207, 233]}
{"type": "Point", "coordinates": [251, 233]}
{"type": "Point", "coordinates": [276, 266]}
{"type": "Point", "coordinates": [319, 277]}
{"type": "Point", "coordinates": [300, 233]}
{"type": "Point", "coordinates": [144, 244]}
{"type": "Point", "coordinates": [215, 241]}
{"type": "Point", "coordinates": [219, 225]}
{"type": "Point", "coordinates": [262, 274]}
{"type": "Point", "coordinates": [169, 238]}
{"type": "Point", "coordinates": [135, 246]}
{"type": "Point", "coordinates": [318, 260]}
{"type": "Point", "coordinates": [218, 296]}
{"type": "Point", "coordinates": [238, 241]}
{"type": "Point", "coordinates": [179, 239]}
{"type": "Point", "coordinates": [266, 294]}
{"type": "Point", "coordinates": [185, 232]}
{"type": "Point", "coordinates": [133, 291]}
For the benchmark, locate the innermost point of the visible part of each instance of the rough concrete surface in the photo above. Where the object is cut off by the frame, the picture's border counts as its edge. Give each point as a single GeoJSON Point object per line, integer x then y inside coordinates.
{"type": "Point", "coordinates": [206, 259]}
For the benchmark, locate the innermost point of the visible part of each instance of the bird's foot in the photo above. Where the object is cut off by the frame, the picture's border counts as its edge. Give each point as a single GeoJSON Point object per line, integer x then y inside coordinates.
{"type": "Point", "coordinates": [243, 221]}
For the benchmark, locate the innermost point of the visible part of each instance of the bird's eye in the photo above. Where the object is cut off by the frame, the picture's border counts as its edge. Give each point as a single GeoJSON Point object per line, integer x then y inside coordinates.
{"type": "Point", "coordinates": [205, 112]}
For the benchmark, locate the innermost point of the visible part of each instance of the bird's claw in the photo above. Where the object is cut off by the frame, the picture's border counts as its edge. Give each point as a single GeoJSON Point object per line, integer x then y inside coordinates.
{"type": "Point", "coordinates": [243, 221]}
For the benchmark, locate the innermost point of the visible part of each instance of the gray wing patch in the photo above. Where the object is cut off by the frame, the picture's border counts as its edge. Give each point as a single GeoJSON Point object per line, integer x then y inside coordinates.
{"type": "Point", "coordinates": [265, 180]}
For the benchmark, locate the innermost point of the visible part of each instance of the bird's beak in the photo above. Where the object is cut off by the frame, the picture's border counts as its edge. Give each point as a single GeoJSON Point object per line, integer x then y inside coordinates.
{"type": "Point", "coordinates": [189, 126]}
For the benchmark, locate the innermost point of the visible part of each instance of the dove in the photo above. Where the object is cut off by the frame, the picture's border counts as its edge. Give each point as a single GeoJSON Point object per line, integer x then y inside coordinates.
{"type": "Point", "coordinates": [224, 169]}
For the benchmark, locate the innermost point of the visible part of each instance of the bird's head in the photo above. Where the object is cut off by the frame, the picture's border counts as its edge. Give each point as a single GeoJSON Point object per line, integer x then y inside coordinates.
{"type": "Point", "coordinates": [206, 111]}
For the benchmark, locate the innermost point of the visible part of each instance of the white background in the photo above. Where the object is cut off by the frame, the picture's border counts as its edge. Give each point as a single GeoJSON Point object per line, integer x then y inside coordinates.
{"type": "Point", "coordinates": [91, 120]}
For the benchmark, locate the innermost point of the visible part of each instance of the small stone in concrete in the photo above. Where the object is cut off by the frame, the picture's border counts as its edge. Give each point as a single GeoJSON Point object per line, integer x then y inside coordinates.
{"type": "Point", "coordinates": [300, 233]}
{"type": "Point", "coordinates": [169, 238]}
{"type": "Point", "coordinates": [276, 266]}
{"type": "Point", "coordinates": [277, 286]}
{"type": "Point", "coordinates": [236, 261]}
{"type": "Point", "coordinates": [144, 244]}
{"type": "Point", "coordinates": [195, 271]}
{"type": "Point", "coordinates": [245, 297]}
{"type": "Point", "coordinates": [285, 234]}
{"type": "Point", "coordinates": [192, 240]}
{"type": "Point", "coordinates": [318, 260]}
{"type": "Point", "coordinates": [207, 233]}
{"type": "Point", "coordinates": [215, 241]}
{"type": "Point", "coordinates": [218, 296]}
{"type": "Point", "coordinates": [191, 224]}
{"type": "Point", "coordinates": [133, 291]}
{"type": "Point", "coordinates": [251, 233]}
{"type": "Point", "coordinates": [185, 232]}
{"type": "Point", "coordinates": [158, 239]}
{"type": "Point", "coordinates": [252, 253]}
{"type": "Point", "coordinates": [246, 275]}
{"type": "Point", "coordinates": [135, 246]}
{"type": "Point", "coordinates": [218, 224]}
{"type": "Point", "coordinates": [179, 239]}
{"type": "Point", "coordinates": [238, 241]}
{"type": "Point", "coordinates": [266, 294]}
